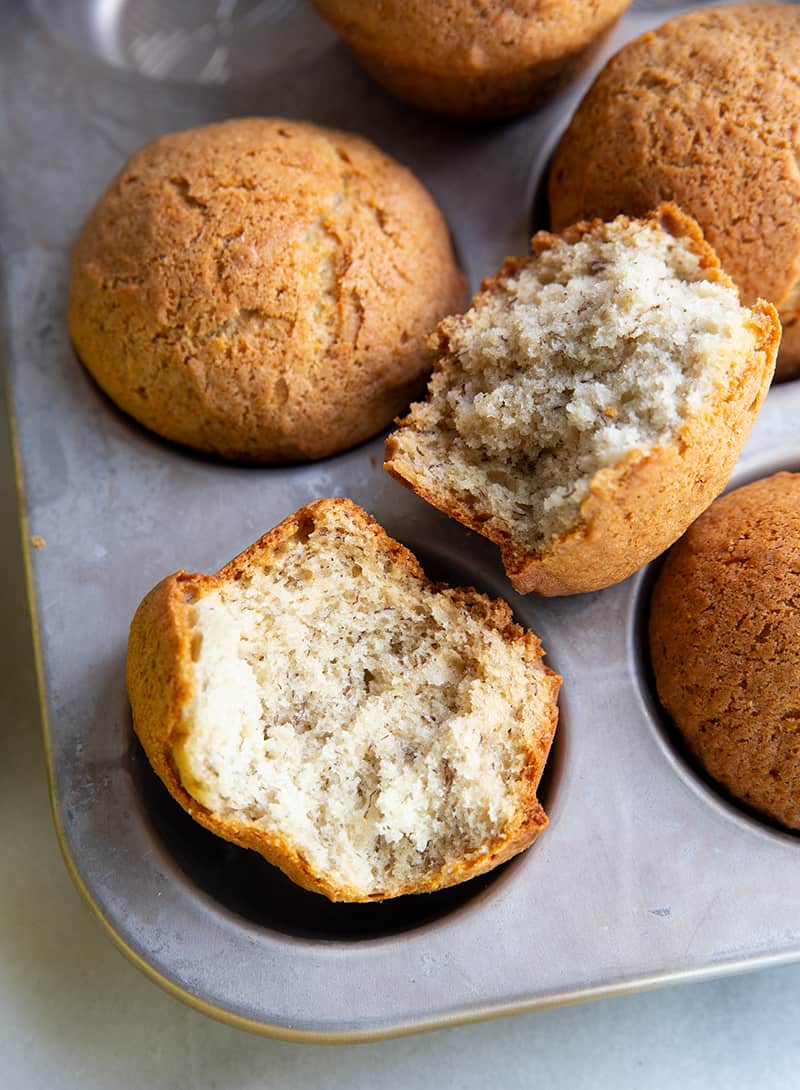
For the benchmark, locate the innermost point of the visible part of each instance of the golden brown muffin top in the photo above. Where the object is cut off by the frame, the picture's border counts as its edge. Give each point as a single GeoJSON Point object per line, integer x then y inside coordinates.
{"type": "Point", "coordinates": [260, 288]}
{"type": "Point", "coordinates": [725, 643]}
{"type": "Point", "coordinates": [702, 111]}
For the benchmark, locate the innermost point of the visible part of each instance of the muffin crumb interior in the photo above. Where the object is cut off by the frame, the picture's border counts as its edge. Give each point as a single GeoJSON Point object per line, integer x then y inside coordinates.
{"type": "Point", "coordinates": [590, 350]}
{"type": "Point", "coordinates": [382, 724]}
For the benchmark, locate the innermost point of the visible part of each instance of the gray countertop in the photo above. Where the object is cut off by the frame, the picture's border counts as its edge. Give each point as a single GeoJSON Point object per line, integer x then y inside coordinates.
{"type": "Point", "coordinates": [74, 1013]}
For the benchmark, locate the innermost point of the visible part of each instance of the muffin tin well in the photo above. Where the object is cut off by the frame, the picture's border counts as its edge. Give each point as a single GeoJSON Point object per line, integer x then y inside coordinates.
{"type": "Point", "coordinates": [645, 874]}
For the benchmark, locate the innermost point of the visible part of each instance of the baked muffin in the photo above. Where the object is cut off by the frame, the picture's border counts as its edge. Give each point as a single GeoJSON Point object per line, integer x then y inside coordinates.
{"type": "Point", "coordinates": [703, 112]}
{"type": "Point", "coordinates": [591, 402]}
{"type": "Point", "coordinates": [725, 643]}
{"type": "Point", "coordinates": [472, 60]}
{"type": "Point", "coordinates": [321, 702]}
{"type": "Point", "coordinates": [259, 289]}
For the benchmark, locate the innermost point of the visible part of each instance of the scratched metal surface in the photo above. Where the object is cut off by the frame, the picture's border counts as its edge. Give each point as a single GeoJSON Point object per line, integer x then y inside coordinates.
{"type": "Point", "coordinates": [645, 873]}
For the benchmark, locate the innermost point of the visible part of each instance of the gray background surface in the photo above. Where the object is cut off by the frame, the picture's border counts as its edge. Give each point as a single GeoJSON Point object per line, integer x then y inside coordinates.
{"type": "Point", "coordinates": [75, 1014]}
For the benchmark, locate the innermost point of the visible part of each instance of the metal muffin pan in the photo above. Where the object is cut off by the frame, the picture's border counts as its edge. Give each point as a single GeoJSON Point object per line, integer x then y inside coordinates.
{"type": "Point", "coordinates": [646, 873]}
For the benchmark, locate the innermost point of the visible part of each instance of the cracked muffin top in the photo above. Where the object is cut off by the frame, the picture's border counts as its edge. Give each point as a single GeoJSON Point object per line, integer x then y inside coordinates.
{"type": "Point", "coordinates": [259, 289]}
{"type": "Point", "coordinates": [725, 643]}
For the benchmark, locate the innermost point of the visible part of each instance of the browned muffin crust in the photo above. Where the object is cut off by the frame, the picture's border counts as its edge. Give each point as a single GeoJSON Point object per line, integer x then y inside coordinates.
{"type": "Point", "coordinates": [456, 57]}
{"type": "Point", "coordinates": [725, 643]}
{"type": "Point", "coordinates": [702, 111]}
{"type": "Point", "coordinates": [259, 289]}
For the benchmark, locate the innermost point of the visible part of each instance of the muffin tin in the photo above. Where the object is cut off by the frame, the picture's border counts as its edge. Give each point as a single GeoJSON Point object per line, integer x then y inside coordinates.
{"type": "Point", "coordinates": [646, 874]}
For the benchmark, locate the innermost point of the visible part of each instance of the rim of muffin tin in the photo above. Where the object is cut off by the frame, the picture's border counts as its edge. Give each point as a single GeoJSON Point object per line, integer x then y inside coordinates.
{"type": "Point", "coordinates": [241, 885]}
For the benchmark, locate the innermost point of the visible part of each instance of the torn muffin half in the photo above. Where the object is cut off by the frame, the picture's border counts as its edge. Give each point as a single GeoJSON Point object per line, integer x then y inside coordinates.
{"type": "Point", "coordinates": [592, 401]}
{"type": "Point", "coordinates": [320, 701]}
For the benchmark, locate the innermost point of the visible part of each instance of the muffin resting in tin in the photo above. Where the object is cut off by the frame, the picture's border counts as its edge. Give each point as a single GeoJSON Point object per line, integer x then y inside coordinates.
{"type": "Point", "coordinates": [260, 289]}
{"type": "Point", "coordinates": [725, 643]}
